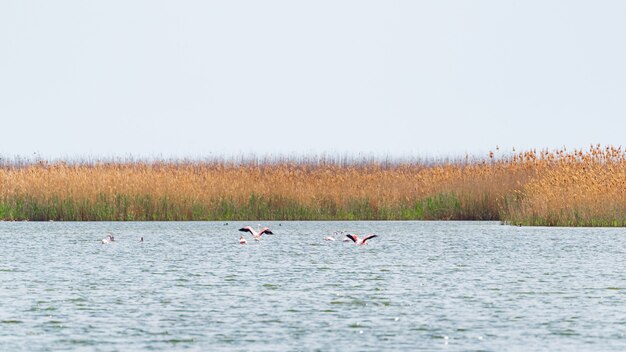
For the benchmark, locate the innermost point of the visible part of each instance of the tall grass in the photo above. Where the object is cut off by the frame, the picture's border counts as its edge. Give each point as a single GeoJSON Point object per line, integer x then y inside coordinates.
{"type": "Point", "coordinates": [580, 188]}
{"type": "Point", "coordinates": [528, 188]}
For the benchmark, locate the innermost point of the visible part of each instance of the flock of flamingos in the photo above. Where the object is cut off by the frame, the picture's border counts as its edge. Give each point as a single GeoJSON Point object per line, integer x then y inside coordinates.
{"type": "Point", "coordinates": [256, 234]}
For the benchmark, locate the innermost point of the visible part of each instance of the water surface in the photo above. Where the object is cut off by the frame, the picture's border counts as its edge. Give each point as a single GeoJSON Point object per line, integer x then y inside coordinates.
{"type": "Point", "coordinates": [419, 286]}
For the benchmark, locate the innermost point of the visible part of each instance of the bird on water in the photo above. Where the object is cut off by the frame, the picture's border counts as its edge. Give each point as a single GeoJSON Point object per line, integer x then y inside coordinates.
{"type": "Point", "coordinates": [108, 239]}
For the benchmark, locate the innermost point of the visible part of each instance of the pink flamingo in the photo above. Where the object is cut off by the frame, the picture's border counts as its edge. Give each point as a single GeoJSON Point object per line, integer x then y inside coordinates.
{"type": "Point", "coordinates": [257, 234]}
{"type": "Point", "coordinates": [242, 240]}
{"type": "Point", "coordinates": [358, 241]}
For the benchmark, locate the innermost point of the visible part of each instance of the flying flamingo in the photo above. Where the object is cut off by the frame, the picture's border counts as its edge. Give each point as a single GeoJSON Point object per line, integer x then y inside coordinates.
{"type": "Point", "coordinates": [257, 234]}
{"type": "Point", "coordinates": [358, 241]}
{"type": "Point", "coordinates": [242, 240]}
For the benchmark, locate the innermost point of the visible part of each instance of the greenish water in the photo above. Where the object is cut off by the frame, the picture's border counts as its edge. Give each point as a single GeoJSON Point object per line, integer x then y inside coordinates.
{"type": "Point", "coordinates": [450, 286]}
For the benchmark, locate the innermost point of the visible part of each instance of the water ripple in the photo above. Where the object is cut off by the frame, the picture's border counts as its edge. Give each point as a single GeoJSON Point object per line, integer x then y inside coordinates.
{"type": "Point", "coordinates": [419, 286]}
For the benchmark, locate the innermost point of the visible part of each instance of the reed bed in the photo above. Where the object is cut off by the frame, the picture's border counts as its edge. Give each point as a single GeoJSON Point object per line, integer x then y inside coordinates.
{"type": "Point", "coordinates": [526, 188]}
{"type": "Point", "coordinates": [581, 188]}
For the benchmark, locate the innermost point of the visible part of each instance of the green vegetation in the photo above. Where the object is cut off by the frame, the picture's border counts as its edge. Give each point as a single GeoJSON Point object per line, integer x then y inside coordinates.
{"type": "Point", "coordinates": [145, 208]}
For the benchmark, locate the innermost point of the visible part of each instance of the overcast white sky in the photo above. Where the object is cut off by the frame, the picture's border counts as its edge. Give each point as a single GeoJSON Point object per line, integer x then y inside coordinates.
{"type": "Point", "coordinates": [203, 78]}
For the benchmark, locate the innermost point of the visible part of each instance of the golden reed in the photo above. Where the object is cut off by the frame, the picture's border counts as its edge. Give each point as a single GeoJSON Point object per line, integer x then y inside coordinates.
{"type": "Point", "coordinates": [577, 188]}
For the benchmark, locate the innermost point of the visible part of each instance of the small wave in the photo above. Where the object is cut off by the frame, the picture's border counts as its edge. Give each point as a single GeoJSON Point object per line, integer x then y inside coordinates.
{"type": "Point", "coordinates": [175, 341]}
{"type": "Point", "coordinates": [11, 321]}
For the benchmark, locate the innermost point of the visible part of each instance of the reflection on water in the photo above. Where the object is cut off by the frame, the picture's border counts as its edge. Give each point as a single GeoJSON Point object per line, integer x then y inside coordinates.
{"type": "Point", "coordinates": [418, 286]}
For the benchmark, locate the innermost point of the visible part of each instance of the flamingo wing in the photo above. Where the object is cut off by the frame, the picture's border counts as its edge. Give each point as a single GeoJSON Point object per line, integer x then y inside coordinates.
{"type": "Point", "coordinates": [368, 237]}
{"type": "Point", "coordinates": [352, 237]}
{"type": "Point", "coordinates": [246, 229]}
{"type": "Point", "coordinates": [267, 231]}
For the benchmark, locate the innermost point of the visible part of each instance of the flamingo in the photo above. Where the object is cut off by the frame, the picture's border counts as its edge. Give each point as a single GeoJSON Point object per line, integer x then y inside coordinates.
{"type": "Point", "coordinates": [257, 234]}
{"type": "Point", "coordinates": [242, 240]}
{"type": "Point", "coordinates": [108, 239]}
{"type": "Point", "coordinates": [335, 234]}
{"type": "Point", "coordinates": [358, 241]}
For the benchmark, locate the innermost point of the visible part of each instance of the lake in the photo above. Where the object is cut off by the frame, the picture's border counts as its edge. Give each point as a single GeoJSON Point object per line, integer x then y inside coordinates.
{"type": "Point", "coordinates": [450, 286]}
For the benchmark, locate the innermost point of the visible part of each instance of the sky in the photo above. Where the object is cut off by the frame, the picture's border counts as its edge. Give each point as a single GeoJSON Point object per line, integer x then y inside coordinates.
{"type": "Point", "coordinates": [197, 79]}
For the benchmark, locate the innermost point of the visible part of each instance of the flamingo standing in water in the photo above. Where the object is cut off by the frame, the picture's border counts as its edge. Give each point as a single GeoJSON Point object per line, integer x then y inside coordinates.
{"type": "Point", "coordinates": [257, 234]}
{"type": "Point", "coordinates": [242, 240]}
{"type": "Point", "coordinates": [360, 241]}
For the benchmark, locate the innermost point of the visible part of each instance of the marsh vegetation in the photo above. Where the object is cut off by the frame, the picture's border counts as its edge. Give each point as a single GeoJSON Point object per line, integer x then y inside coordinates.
{"type": "Point", "coordinates": [555, 188]}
